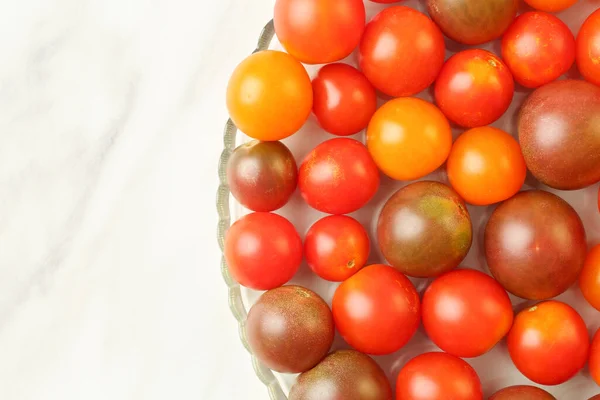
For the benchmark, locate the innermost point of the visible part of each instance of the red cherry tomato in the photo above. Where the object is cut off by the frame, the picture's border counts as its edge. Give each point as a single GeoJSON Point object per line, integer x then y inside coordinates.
{"type": "Point", "coordinates": [595, 357]}
{"type": "Point", "coordinates": [343, 99]}
{"type": "Point", "coordinates": [438, 376]}
{"type": "Point", "coordinates": [401, 51]}
{"type": "Point", "coordinates": [538, 48]}
{"type": "Point", "coordinates": [466, 312]}
{"type": "Point", "coordinates": [319, 32]}
{"type": "Point", "coordinates": [336, 247]}
{"type": "Point", "coordinates": [338, 176]}
{"type": "Point", "coordinates": [263, 250]}
{"type": "Point", "coordinates": [589, 279]}
{"type": "Point", "coordinates": [551, 5]}
{"type": "Point", "coordinates": [549, 342]}
{"type": "Point", "coordinates": [377, 310]}
{"type": "Point", "coordinates": [474, 88]}
{"type": "Point", "coordinates": [588, 48]}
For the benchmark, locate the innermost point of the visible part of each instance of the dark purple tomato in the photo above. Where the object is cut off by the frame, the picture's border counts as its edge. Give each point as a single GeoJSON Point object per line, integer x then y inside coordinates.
{"type": "Point", "coordinates": [290, 329]}
{"type": "Point", "coordinates": [535, 245]}
{"type": "Point", "coordinates": [559, 132]}
{"type": "Point", "coordinates": [344, 374]}
{"type": "Point", "coordinates": [424, 229]}
{"type": "Point", "coordinates": [522, 392]}
{"type": "Point", "coordinates": [473, 21]}
{"type": "Point", "coordinates": [262, 175]}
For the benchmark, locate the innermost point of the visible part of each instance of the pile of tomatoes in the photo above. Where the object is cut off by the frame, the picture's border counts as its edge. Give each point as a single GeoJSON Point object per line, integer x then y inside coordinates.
{"type": "Point", "coordinates": [534, 242]}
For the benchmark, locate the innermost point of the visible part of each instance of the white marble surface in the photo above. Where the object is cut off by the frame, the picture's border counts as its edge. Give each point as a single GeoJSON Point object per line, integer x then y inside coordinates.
{"type": "Point", "coordinates": [111, 115]}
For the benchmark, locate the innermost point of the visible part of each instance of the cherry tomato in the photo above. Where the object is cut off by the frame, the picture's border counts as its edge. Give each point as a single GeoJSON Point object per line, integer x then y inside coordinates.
{"type": "Point", "coordinates": [438, 376]}
{"type": "Point", "coordinates": [551, 5]}
{"type": "Point", "coordinates": [538, 48]}
{"type": "Point", "coordinates": [588, 48]}
{"type": "Point", "coordinates": [377, 310]}
{"type": "Point", "coordinates": [336, 247]}
{"type": "Point", "coordinates": [522, 392]}
{"type": "Point", "coordinates": [549, 342]}
{"type": "Point", "coordinates": [409, 138]}
{"type": "Point", "coordinates": [262, 176]}
{"type": "Point", "coordinates": [595, 357]}
{"type": "Point", "coordinates": [474, 88]}
{"type": "Point", "coordinates": [466, 312]}
{"type": "Point", "coordinates": [589, 279]}
{"type": "Point", "coordinates": [343, 99]}
{"type": "Point", "coordinates": [263, 250]}
{"type": "Point", "coordinates": [319, 32]}
{"type": "Point", "coordinates": [486, 166]}
{"type": "Point", "coordinates": [269, 95]}
{"type": "Point", "coordinates": [598, 199]}
{"type": "Point", "coordinates": [401, 51]}
{"type": "Point", "coordinates": [338, 176]}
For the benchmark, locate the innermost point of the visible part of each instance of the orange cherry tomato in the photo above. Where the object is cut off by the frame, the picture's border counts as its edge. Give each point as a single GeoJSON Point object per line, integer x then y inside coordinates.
{"type": "Point", "coordinates": [486, 166]}
{"type": "Point", "coordinates": [549, 342]}
{"type": "Point", "coordinates": [551, 5]}
{"type": "Point", "coordinates": [409, 138]}
{"type": "Point", "coordinates": [269, 95]}
{"type": "Point", "coordinates": [401, 51]}
{"type": "Point", "coordinates": [474, 88]}
{"type": "Point", "coordinates": [319, 32]}
{"type": "Point", "coordinates": [466, 312]}
{"type": "Point", "coordinates": [595, 357]}
{"type": "Point", "coordinates": [343, 99]}
{"type": "Point", "coordinates": [588, 48]}
{"type": "Point", "coordinates": [538, 48]}
{"type": "Point", "coordinates": [589, 279]}
{"type": "Point", "coordinates": [336, 247]}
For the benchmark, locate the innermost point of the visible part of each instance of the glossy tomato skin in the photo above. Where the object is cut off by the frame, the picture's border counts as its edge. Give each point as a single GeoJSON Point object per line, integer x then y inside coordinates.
{"type": "Point", "coordinates": [551, 5]}
{"type": "Point", "coordinates": [290, 329]}
{"type": "Point", "coordinates": [538, 48]}
{"type": "Point", "coordinates": [473, 21]}
{"type": "Point", "coordinates": [560, 136]}
{"type": "Point", "coordinates": [263, 250]}
{"type": "Point", "coordinates": [466, 312]}
{"type": "Point", "coordinates": [338, 176]}
{"type": "Point", "coordinates": [269, 95]}
{"type": "Point", "coordinates": [474, 88]}
{"type": "Point", "coordinates": [589, 280]}
{"type": "Point", "coordinates": [262, 176]}
{"type": "Point", "coordinates": [422, 147]}
{"type": "Point", "coordinates": [522, 392]}
{"type": "Point", "coordinates": [549, 342]}
{"type": "Point", "coordinates": [443, 239]}
{"type": "Point", "coordinates": [438, 376]}
{"type": "Point", "coordinates": [343, 99]}
{"type": "Point", "coordinates": [595, 358]}
{"type": "Point", "coordinates": [486, 166]}
{"type": "Point", "coordinates": [588, 48]}
{"type": "Point", "coordinates": [319, 32]}
{"type": "Point", "coordinates": [344, 374]}
{"type": "Point", "coordinates": [525, 253]}
{"type": "Point", "coordinates": [401, 51]}
{"type": "Point", "coordinates": [336, 247]}
{"type": "Point", "coordinates": [377, 310]}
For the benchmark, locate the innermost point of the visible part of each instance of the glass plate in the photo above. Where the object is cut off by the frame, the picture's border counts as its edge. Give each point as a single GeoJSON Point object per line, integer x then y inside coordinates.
{"type": "Point", "coordinates": [494, 368]}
